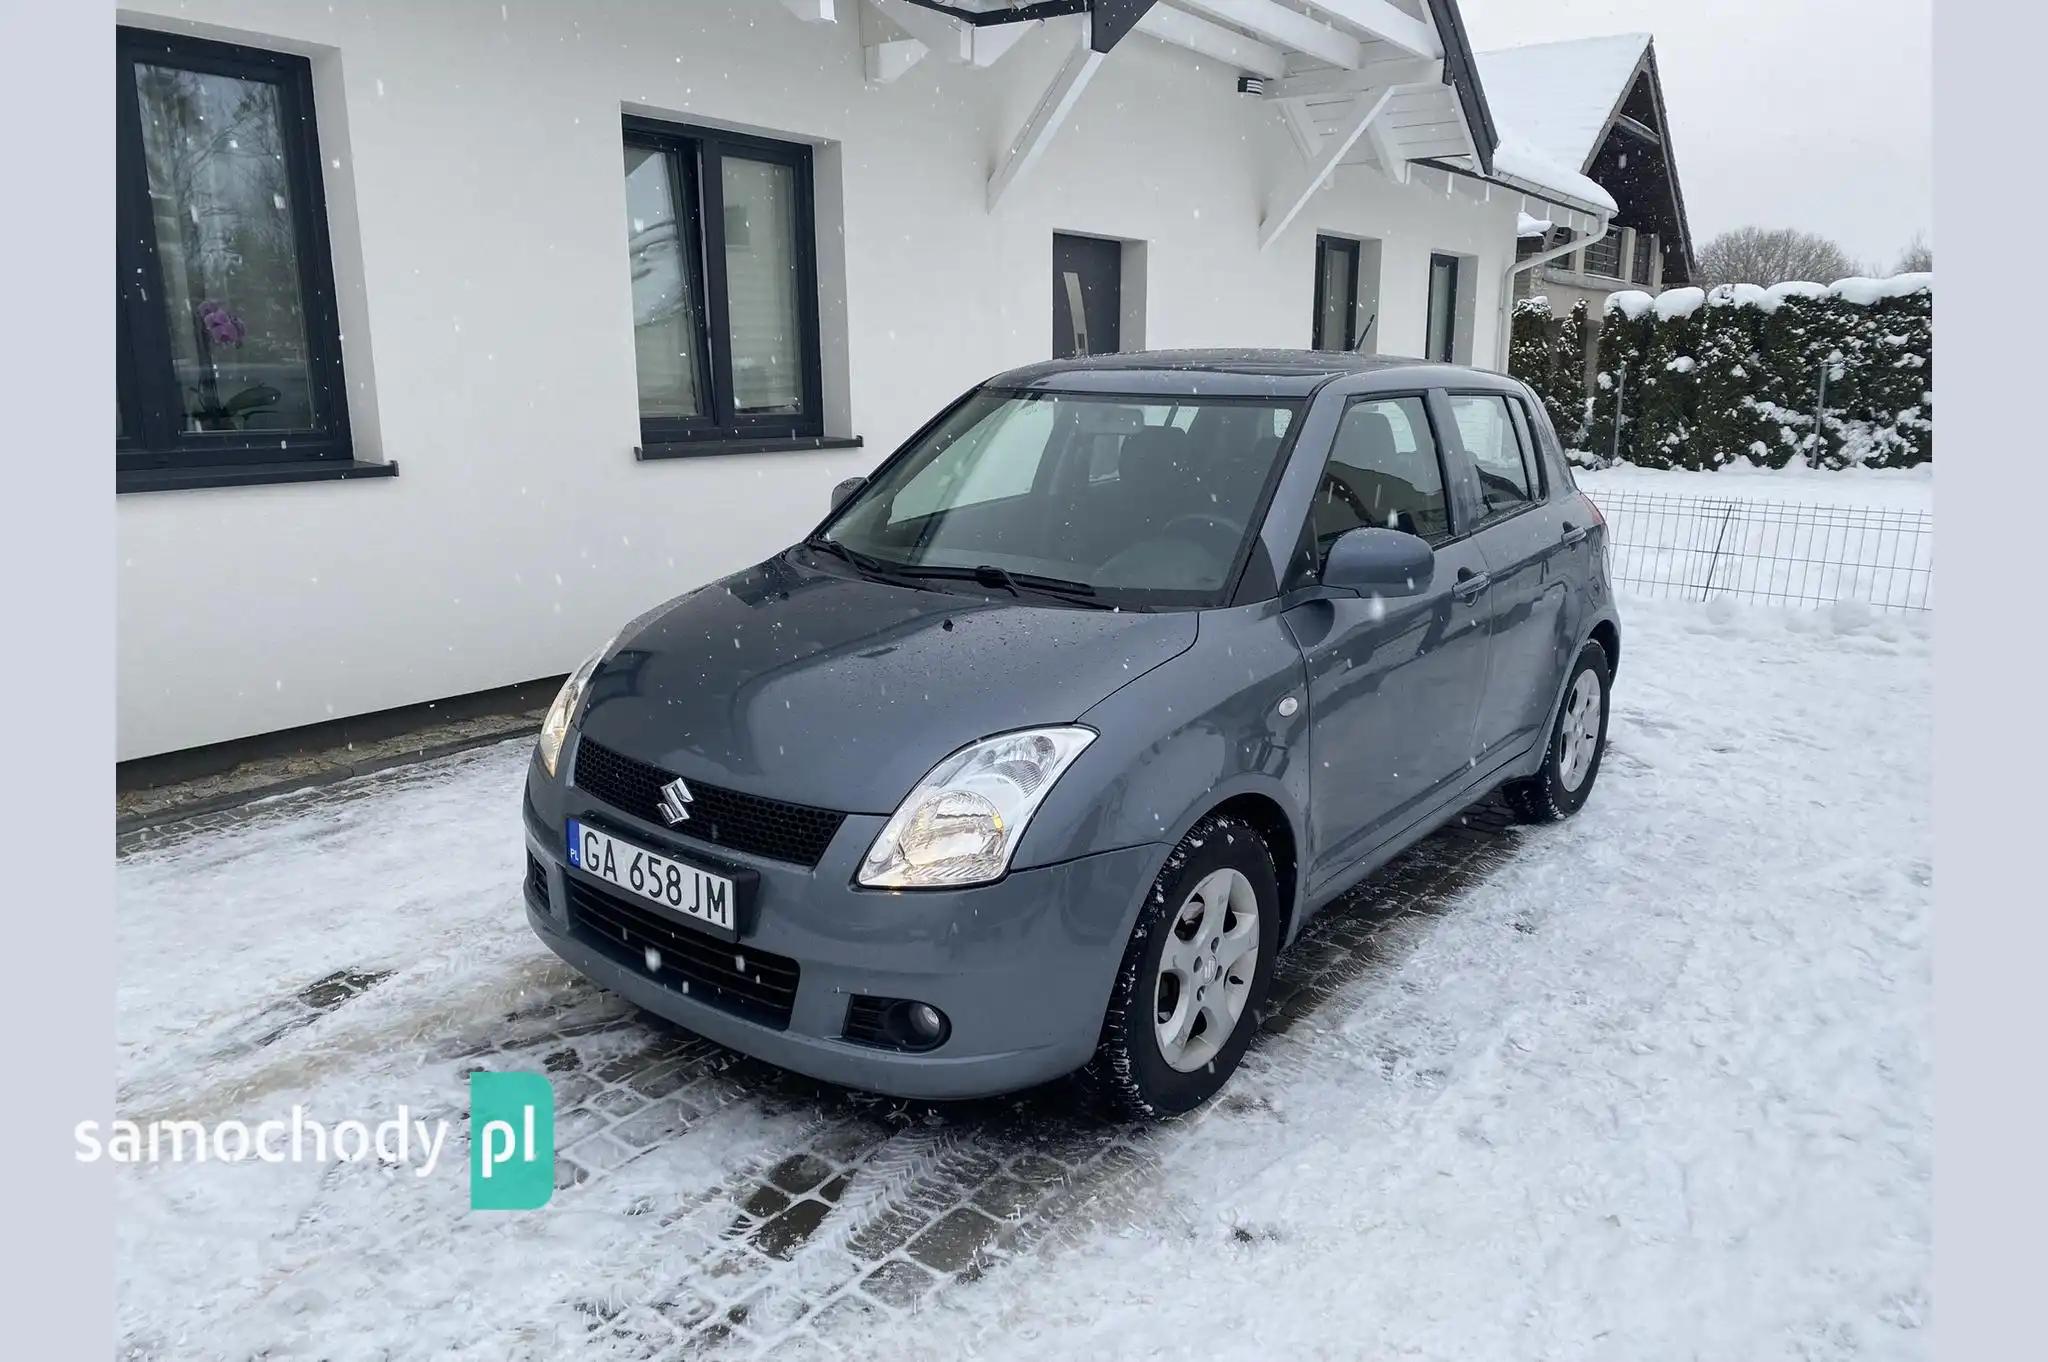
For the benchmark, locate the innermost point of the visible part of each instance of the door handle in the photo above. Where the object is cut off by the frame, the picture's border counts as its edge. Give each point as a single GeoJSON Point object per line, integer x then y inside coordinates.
{"type": "Point", "coordinates": [1471, 583]}
{"type": "Point", "coordinates": [1573, 535]}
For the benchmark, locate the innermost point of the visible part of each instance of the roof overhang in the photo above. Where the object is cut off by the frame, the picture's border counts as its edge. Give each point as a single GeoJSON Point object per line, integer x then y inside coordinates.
{"type": "Point", "coordinates": [1383, 84]}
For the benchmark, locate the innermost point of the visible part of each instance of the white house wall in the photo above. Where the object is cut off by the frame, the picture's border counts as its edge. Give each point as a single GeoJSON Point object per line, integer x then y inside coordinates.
{"type": "Point", "coordinates": [474, 181]}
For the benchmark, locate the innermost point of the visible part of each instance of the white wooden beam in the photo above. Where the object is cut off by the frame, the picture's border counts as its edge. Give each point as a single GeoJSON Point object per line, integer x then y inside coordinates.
{"type": "Point", "coordinates": [887, 60]}
{"type": "Point", "coordinates": [1282, 27]}
{"type": "Point", "coordinates": [1371, 76]}
{"type": "Point", "coordinates": [1301, 125]}
{"type": "Point", "coordinates": [949, 38]}
{"type": "Point", "coordinates": [813, 11]}
{"type": "Point", "coordinates": [1333, 151]}
{"type": "Point", "coordinates": [1212, 40]}
{"type": "Point", "coordinates": [1383, 21]}
{"type": "Point", "coordinates": [1392, 163]}
{"type": "Point", "coordinates": [886, 52]}
{"type": "Point", "coordinates": [1060, 96]}
{"type": "Point", "coordinates": [990, 42]}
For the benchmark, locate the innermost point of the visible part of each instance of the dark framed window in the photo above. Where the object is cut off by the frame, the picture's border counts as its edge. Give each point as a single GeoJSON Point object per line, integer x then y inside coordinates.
{"type": "Point", "coordinates": [228, 350]}
{"type": "Point", "coordinates": [723, 262]}
{"type": "Point", "coordinates": [1646, 250]}
{"type": "Point", "coordinates": [1087, 295]}
{"type": "Point", "coordinates": [1442, 340]}
{"type": "Point", "coordinates": [1603, 257]}
{"type": "Point", "coordinates": [1336, 319]}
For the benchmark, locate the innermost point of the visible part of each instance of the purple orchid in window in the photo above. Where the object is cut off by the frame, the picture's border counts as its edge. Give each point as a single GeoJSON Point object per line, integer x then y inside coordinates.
{"type": "Point", "coordinates": [220, 327]}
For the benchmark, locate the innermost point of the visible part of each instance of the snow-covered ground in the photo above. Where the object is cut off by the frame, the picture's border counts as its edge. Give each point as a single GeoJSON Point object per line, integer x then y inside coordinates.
{"type": "Point", "coordinates": [1654, 1083]}
{"type": "Point", "coordinates": [1791, 536]}
{"type": "Point", "coordinates": [1887, 489]}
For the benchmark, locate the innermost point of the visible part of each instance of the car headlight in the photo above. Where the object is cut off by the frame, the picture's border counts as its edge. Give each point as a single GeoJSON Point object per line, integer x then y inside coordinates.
{"type": "Point", "coordinates": [963, 820]}
{"type": "Point", "coordinates": [554, 729]}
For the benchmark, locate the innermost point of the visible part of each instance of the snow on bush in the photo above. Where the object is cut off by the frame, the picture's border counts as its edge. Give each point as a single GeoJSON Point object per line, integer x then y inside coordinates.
{"type": "Point", "coordinates": [1832, 376]}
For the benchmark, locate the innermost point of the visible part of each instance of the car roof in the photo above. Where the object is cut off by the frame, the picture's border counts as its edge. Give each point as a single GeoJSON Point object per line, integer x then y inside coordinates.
{"type": "Point", "coordinates": [1241, 373]}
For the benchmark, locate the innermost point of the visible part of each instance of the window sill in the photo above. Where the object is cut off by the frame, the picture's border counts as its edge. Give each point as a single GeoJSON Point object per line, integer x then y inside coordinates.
{"type": "Point", "coordinates": [247, 474]}
{"type": "Point", "coordinates": [781, 444]}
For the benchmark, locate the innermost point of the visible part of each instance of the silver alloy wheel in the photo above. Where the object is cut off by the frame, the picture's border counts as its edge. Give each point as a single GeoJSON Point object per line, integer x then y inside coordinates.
{"type": "Point", "coordinates": [1206, 969]}
{"type": "Point", "coordinates": [1578, 737]}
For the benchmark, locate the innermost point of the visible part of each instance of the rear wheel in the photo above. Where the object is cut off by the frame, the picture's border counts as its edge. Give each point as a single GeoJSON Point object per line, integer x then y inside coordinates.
{"type": "Point", "coordinates": [1578, 737]}
{"type": "Point", "coordinates": [1194, 973]}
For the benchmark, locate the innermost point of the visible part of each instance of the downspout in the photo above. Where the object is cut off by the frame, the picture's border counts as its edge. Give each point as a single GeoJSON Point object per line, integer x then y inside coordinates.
{"type": "Point", "coordinates": [1572, 243]}
{"type": "Point", "coordinates": [1505, 328]}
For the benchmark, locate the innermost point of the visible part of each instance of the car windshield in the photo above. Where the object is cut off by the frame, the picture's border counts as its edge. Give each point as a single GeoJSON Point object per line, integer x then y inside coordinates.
{"type": "Point", "coordinates": [1106, 500]}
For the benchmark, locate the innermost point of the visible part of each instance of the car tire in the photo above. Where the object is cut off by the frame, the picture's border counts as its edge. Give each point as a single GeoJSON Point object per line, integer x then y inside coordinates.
{"type": "Point", "coordinates": [1570, 763]}
{"type": "Point", "coordinates": [1222, 866]}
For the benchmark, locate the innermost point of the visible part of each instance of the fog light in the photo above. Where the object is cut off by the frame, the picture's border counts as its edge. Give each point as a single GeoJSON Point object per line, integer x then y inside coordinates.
{"type": "Point", "coordinates": [925, 1022]}
{"type": "Point", "coordinates": [895, 1023]}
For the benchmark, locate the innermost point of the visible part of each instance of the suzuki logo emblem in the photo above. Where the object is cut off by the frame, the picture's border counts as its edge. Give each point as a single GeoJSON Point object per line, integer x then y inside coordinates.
{"type": "Point", "coordinates": [675, 801]}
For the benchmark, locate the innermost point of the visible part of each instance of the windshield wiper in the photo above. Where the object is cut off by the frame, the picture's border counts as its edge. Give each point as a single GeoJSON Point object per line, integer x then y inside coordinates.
{"type": "Point", "coordinates": [1016, 583]}
{"type": "Point", "coordinates": [865, 564]}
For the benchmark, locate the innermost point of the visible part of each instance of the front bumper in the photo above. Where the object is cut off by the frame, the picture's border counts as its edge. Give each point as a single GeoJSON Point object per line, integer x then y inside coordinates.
{"type": "Point", "coordinates": [1022, 968]}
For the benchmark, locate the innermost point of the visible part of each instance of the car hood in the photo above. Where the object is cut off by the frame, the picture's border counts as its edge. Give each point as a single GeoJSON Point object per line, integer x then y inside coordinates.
{"type": "Point", "coordinates": [807, 683]}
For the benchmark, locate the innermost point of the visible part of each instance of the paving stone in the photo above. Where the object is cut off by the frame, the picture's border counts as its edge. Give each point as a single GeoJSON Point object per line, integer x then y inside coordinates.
{"type": "Point", "coordinates": [953, 1243]}
{"type": "Point", "coordinates": [661, 1080]}
{"type": "Point", "coordinates": [655, 1124]}
{"type": "Point", "coordinates": [601, 1153]}
{"type": "Point", "coordinates": [571, 1126]}
{"type": "Point", "coordinates": [899, 1283]}
{"type": "Point", "coordinates": [781, 1236]}
{"type": "Point", "coordinates": [684, 1307]}
{"type": "Point", "coordinates": [617, 1102]}
{"type": "Point", "coordinates": [770, 1310]}
{"type": "Point", "coordinates": [850, 1312]}
{"type": "Point", "coordinates": [799, 1173]}
{"type": "Point", "coordinates": [764, 1202]}
{"type": "Point", "coordinates": [1005, 1198]}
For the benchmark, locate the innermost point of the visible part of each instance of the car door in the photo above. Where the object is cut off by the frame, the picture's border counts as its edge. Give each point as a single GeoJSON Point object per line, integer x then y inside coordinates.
{"type": "Point", "coordinates": [1394, 684]}
{"type": "Point", "coordinates": [1520, 529]}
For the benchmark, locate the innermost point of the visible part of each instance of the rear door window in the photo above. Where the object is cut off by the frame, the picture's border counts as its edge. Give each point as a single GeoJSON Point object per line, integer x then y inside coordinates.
{"type": "Point", "coordinates": [1487, 432]}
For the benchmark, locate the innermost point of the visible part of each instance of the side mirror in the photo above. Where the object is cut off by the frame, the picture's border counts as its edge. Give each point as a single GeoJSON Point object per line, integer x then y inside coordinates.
{"type": "Point", "coordinates": [1373, 561]}
{"type": "Point", "coordinates": [844, 491]}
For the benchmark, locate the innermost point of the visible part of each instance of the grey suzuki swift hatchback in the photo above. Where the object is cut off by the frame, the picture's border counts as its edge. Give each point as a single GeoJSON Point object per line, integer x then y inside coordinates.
{"type": "Point", "coordinates": [1035, 753]}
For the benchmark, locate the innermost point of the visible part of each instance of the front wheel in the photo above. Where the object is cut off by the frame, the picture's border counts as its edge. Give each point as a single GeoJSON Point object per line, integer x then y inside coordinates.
{"type": "Point", "coordinates": [1194, 973]}
{"type": "Point", "coordinates": [1577, 740]}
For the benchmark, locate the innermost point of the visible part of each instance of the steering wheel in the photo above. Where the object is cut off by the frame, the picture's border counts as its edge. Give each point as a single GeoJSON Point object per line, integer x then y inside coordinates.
{"type": "Point", "coordinates": [1204, 519]}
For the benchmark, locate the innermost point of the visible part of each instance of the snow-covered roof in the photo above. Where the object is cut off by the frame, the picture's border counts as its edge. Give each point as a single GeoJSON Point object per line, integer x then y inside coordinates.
{"type": "Point", "coordinates": [1557, 97]}
{"type": "Point", "coordinates": [1515, 161]}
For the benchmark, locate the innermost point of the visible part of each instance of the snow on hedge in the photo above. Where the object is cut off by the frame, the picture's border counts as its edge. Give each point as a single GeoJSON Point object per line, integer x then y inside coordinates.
{"type": "Point", "coordinates": [1829, 375]}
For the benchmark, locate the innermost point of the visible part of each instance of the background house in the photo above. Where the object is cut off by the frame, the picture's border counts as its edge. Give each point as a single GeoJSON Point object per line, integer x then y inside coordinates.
{"type": "Point", "coordinates": [454, 335]}
{"type": "Point", "coordinates": [1596, 106]}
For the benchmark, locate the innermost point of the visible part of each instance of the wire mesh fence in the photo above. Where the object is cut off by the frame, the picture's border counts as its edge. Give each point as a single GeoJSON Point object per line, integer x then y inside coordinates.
{"type": "Point", "coordinates": [1706, 548]}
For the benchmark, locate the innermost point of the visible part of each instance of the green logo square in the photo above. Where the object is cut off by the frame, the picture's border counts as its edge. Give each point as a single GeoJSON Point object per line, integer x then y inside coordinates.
{"type": "Point", "coordinates": [511, 1142]}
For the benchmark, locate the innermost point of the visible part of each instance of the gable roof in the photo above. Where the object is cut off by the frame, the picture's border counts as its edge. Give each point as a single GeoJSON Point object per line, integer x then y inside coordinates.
{"type": "Point", "coordinates": [1565, 100]}
{"type": "Point", "coordinates": [1560, 97]}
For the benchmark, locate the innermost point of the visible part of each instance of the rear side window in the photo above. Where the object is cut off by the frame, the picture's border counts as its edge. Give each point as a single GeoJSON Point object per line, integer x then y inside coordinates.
{"type": "Point", "coordinates": [1383, 471]}
{"type": "Point", "coordinates": [1487, 431]}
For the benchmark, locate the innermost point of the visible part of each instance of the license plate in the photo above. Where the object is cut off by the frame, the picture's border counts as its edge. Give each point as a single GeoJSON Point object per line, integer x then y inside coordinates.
{"type": "Point", "coordinates": [681, 888]}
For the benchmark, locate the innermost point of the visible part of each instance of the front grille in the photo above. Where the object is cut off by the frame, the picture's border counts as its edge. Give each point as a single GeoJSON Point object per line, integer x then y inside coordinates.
{"type": "Point", "coordinates": [537, 880]}
{"type": "Point", "coordinates": [733, 978]}
{"type": "Point", "coordinates": [795, 833]}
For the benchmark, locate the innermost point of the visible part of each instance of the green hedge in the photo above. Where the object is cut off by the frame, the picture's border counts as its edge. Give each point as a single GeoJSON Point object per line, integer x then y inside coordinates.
{"type": "Point", "coordinates": [1700, 380]}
